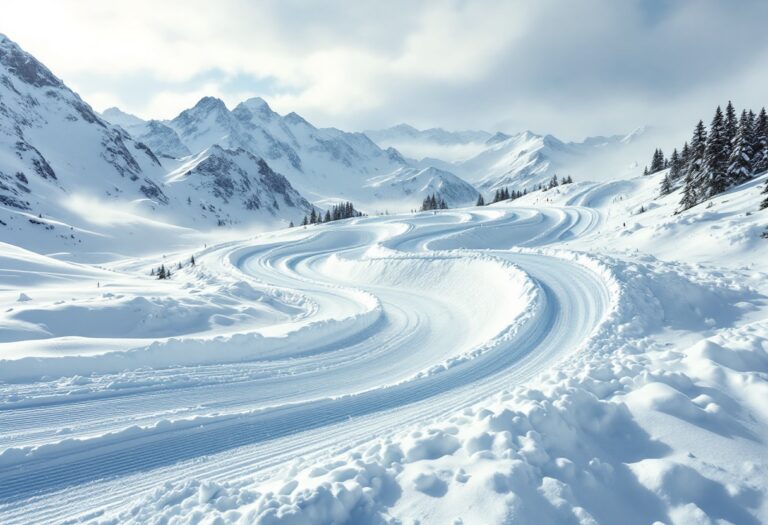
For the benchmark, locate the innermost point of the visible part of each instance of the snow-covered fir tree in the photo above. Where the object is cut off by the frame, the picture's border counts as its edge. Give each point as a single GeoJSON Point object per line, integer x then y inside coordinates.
{"type": "Point", "coordinates": [731, 127]}
{"type": "Point", "coordinates": [666, 185]}
{"type": "Point", "coordinates": [480, 200]}
{"type": "Point", "coordinates": [760, 142]}
{"type": "Point", "coordinates": [740, 160]}
{"type": "Point", "coordinates": [657, 162]}
{"type": "Point", "coordinates": [675, 166]}
{"type": "Point", "coordinates": [433, 202]}
{"type": "Point", "coordinates": [694, 167]}
{"type": "Point", "coordinates": [714, 179]}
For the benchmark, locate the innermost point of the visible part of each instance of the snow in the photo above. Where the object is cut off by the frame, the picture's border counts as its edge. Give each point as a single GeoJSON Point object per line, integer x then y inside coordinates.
{"type": "Point", "coordinates": [530, 360]}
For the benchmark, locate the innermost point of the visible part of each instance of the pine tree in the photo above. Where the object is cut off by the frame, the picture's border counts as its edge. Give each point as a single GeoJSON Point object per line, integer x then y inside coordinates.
{"type": "Point", "coordinates": [645, 170]}
{"type": "Point", "coordinates": [290, 224]}
{"type": "Point", "coordinates": [480, 200]}
{"type": "Point", "coordinates": [313, 217]}
{"type": "Point", "coordinates": [685, 159]}
{"type": "Point", "coordinates": [179, 266]}
{"type": "Point", "coordinates": [695, 168]}
{"type": "Point", "coordinates": [740, 161]}
{"type": "Point", "coordinates": [161, 274]}
{"type": "Point", "coordinates": [760, 142]}
{"type": "Point", "coordinates": [689, 199]}
{"type": "Point", "coordinates": [675, 166]}
{"type": "Point", "coordinates": [152, 272]}
{"type": "Point", "coordinates": [666, 185]}
{"type": "Point", "coordinates": [192, 261]}
{"type": "Point", "coordinates": [553, 183]}
{"type": "Point", "coordinates": [327, 216]}
{"type": "Point", "coordinates": [731, 127]}
{"type": "Point", "coordinates": [716, 158]}
{"type": "Point", "coordinates": [657, 162]}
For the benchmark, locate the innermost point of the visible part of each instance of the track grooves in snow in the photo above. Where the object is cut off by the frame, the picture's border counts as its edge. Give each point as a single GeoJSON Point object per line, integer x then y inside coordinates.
{"type": "Point", "coordinates": [411, 342]}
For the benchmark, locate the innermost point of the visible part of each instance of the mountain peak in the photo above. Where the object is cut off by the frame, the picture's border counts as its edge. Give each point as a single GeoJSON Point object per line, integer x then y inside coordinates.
{"type": "Point", "coordinates": [24, 66]}
{"type": "Point", "coordinates": [117, 116]}
{"type": "Point", "coordinates": [498, 137]}
{"type": "Point", "coordinates": [255, 106]}
{"type": "Point", "coordinates": [210, 103]}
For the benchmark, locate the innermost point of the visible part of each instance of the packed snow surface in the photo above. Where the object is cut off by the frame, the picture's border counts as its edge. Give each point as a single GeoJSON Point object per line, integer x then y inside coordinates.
{"type": "Point", "coordinates": [580, 355]}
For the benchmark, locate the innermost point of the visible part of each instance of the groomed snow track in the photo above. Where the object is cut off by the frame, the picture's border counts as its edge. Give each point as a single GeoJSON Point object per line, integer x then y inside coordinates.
{"type": "Point", "coordinates": [403, 321]}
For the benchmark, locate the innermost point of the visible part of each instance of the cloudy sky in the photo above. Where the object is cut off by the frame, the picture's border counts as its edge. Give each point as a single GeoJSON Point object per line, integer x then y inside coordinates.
{"type": "Point", "coordinates": [563, 67]}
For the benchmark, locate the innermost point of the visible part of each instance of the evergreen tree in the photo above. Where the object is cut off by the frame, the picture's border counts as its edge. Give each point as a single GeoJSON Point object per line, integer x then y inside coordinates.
{"type": "Point", "coordinates": [313, 217]}
{"type": "Point", "coordinates": [695, 168]}
{"type": "Point", "coordinates": [305, 221]}
{"type": "Point", "coordinates": [731, 127]}
{"type": "Point", "coordinates": [645, 170]}
{"type": "Point", "coordinates": [161, 274]}
{"type": "Point", "coordinates": [685, 159]}
{"type": "Point", "coordinates": [192, 259]}
{"type": "Point", "coordinates": [657, 162]}
{"type": "Point", "coordinates": [666, 185]}
{"type": "Point", "coordinates": [327, 216]}
{"type": "Point", "coordinates": [290, 224]}
{"type": "Point", "coordinates": [675, 166]}
{"type": "Point", "coordinates": [480, 200]}
{"type": "Point", "coordinates": [689, 199]}
{"type": "Point", "coordinates": [553, 183]}
{"type": "Point", "coordinates": [716, 157]}
{"type": "Point", "coordinates": [740, 161]}
{"type": "Point", "coordinates": [152, 272]}
{"type": "Point", "coordinates": [760, 142]}
{"type": "Point", "coordinates": [179, 266]}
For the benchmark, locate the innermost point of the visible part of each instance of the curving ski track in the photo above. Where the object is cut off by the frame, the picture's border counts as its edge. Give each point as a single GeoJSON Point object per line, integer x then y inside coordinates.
{"type": "Point", "coordinates": [327, 394]}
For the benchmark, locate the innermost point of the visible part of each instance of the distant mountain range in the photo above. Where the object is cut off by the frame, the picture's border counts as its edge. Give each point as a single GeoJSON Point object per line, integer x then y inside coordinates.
{"type": "Point", "coordinates": [211, 166]}
{"type": "Point", "coordinates": [325, 164]}
{"type": "Point", "coordinates": [491, 161]}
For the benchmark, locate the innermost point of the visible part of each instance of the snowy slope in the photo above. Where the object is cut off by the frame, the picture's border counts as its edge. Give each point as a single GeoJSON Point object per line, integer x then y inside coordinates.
{"type": "Point", "coordinates": [235, 184]}
{"type": "Point", "coordinates": [564, 358]}
{"type": "Point", "coordinates": [55, 149]}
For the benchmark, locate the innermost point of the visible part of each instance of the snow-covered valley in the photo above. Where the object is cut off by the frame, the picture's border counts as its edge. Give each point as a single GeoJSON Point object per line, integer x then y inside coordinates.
{"type": "Point", "coordinates": [535, 360]}
{"type": "Point", "coordinates": [172, 351]}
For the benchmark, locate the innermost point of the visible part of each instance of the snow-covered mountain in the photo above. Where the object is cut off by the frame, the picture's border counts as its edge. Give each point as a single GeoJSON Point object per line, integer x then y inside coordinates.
{"type": "Point", "coordinates": [525, 159]}
{"type": "Point", "coordinates": [321, 163]}
{"type": "Point", "coordinates": [325, 164]}
{"type": "Point", "coordinates": [521, 160]}
{"type": "Point", "coordinates": [426, 181]}
{"type": "Point", "coordinates": [234, 181]}
{"type": "Point", "coordinates": [162, 139]}
{"type": "Point", "coordinates": [67, 176]}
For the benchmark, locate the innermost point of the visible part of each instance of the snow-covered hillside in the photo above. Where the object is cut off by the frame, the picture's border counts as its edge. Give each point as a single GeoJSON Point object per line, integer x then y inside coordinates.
{"type": "Point", "coordinates": [579, 355]}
